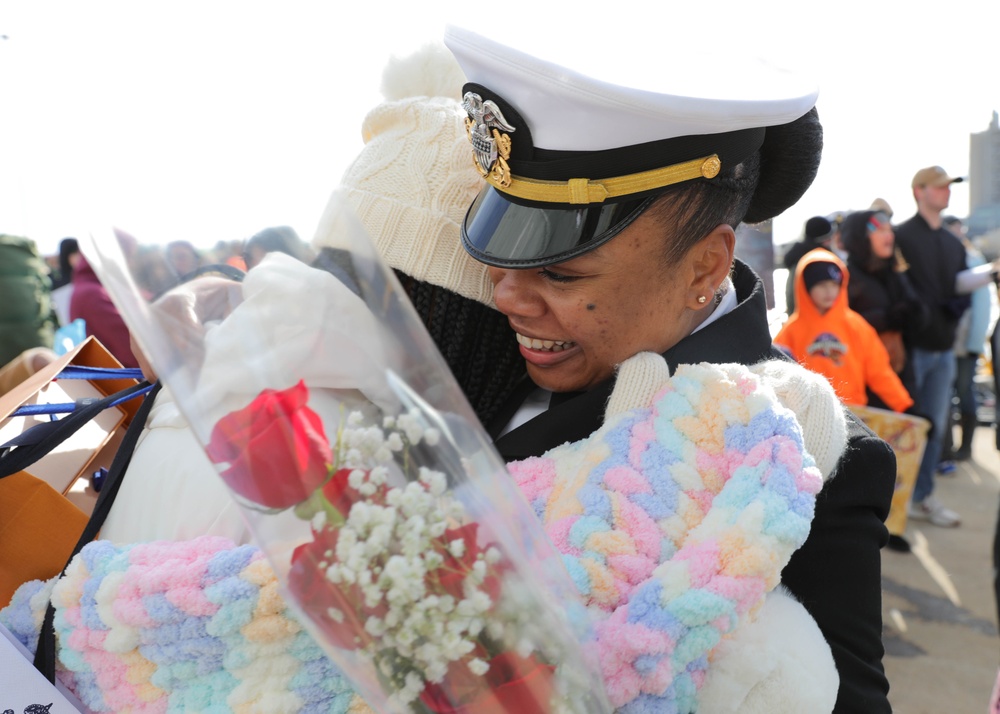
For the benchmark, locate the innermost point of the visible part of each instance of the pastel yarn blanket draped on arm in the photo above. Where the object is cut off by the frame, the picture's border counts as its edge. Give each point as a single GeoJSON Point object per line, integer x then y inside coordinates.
{"type": "Point", "coordinates": [675, 520]}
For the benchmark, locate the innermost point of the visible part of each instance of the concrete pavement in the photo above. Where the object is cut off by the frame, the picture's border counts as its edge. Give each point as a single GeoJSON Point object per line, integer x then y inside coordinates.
{"type": "Point", "coordinates": [938, 608]}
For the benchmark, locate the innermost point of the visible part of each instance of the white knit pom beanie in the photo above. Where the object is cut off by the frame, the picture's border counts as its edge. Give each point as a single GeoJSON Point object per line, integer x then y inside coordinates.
{"type": "Point", "coordinates": [414, 180]}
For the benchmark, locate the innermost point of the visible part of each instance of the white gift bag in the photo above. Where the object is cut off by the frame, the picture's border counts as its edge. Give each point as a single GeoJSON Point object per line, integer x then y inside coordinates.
{"type": "Point", "coordinates": [23, 689]}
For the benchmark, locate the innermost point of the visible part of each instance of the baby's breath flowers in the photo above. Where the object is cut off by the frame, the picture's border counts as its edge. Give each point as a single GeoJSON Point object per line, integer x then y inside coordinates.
{"type": "Point", "coordinates": [397, 573]}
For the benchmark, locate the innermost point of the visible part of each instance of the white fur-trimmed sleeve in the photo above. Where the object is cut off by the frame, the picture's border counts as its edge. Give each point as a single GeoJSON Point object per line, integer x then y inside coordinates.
{"type": "Point", "coordinates": [778, 663]}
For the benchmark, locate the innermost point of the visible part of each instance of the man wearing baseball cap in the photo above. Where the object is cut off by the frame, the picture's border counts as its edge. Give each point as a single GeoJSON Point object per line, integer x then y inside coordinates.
{"type": "Point", "coordinates": [936, 257]}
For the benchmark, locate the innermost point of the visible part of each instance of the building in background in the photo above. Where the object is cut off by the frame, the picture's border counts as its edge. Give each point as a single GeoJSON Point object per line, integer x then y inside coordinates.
{"type": "Point", "coordinates": [984, 188]}
{"type": "Point", "coordinates": [755, 247]}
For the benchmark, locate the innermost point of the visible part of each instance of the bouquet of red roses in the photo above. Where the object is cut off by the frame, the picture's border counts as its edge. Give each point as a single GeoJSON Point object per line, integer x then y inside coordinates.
{"type": "Point", "coordinates": [365, 477]}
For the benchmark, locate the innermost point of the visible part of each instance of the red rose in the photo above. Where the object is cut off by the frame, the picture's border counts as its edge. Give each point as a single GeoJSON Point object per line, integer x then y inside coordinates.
{"type": "Point", "coordinates": [512, 684]}
{"type": "Point", "coordinates": [339, 492]}
{"type": "Point", "coordinates": [276, 448]}
{"type": "Point", "coordinates": [315, 594]}
{"type": "Point", "coordinates": [453, 571]}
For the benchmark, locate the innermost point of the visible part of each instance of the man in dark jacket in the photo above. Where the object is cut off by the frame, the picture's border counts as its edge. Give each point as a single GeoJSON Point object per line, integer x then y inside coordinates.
{"type": "Point", "coordinates": [936, 257]}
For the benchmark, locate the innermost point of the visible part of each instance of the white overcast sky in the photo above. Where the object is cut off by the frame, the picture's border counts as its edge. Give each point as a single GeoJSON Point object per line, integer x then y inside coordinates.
{"type": "Point", "coordinates": [211, 119]}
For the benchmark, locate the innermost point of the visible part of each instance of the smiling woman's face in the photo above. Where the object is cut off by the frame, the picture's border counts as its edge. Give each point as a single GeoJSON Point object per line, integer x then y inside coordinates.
{"type": "Point", "coordinates": [577, 320]}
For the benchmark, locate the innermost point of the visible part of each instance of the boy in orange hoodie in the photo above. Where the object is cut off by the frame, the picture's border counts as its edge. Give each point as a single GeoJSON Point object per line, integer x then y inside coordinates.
{"type": "Point", "coordinates": [827, 336]}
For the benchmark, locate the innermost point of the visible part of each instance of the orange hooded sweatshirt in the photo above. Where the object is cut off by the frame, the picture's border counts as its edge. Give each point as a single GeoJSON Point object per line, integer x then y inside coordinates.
{"type": "Point", "coordinates": [840, 345]}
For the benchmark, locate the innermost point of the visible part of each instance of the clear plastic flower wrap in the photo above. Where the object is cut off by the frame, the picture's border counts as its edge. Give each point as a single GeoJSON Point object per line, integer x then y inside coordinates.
{"type": "Point", "coordinates": [364, 475]}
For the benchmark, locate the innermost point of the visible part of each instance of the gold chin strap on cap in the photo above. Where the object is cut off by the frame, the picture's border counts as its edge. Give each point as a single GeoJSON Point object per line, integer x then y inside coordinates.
{"type": "Point", "coordinates": [583, 191]}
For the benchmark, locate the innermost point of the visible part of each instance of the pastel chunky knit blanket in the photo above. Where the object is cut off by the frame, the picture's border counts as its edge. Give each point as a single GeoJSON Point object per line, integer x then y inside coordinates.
{"type": "Point", "coordinates": [675, 521]}
{"type": "Point", "coordinates": [192, 626]}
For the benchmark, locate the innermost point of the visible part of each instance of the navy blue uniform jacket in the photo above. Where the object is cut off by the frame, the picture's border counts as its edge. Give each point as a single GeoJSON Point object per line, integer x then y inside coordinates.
{"type": "Point", "coordinates": [837, 573]}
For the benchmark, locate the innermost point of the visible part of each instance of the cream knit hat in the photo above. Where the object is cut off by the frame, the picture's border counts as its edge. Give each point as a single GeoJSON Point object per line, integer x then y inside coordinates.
{"type": "Point", "coordinates": [414, 180]}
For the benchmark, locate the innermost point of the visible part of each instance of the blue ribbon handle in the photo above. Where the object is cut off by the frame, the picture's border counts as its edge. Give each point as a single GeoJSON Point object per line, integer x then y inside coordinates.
{"type": "Point", "coordinates": [83, 372]}
{"type": "Point", "coordinates": [73, 371]}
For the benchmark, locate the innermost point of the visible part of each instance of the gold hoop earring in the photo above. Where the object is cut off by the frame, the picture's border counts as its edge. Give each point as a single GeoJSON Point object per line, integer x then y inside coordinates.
{"type": "Point", "coordinates": [702, 299]}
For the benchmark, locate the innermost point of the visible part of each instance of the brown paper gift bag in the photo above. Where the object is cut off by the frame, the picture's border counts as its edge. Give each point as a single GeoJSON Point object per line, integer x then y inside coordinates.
{"type": "Point", "coordinates": [68, 467]}
{"type": "Point", "coordinates": [45, 502]}
{"type": "Point", "coordinates": [38, 529]}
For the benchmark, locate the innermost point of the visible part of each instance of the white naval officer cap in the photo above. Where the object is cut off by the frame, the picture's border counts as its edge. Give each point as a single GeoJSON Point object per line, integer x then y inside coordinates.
{"type": "Point", "coordinates": [571, 157]}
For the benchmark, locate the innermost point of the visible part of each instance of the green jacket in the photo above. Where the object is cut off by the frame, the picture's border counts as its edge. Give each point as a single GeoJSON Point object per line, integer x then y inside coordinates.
{"type": "Point", "coordinates": [26, 317]}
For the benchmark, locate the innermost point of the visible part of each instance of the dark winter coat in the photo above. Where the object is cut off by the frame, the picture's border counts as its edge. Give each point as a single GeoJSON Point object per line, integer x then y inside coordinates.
{"type": "Point", "coordinates": [26, 317]}
{"type": "Point", "coordinates": [837, 573]}
{"type": "Point", "coordinates": [936, 256]}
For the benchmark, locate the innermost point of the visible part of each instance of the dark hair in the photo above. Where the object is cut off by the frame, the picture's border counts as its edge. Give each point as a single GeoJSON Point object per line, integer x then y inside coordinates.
{"type": "Point", "coordinates": [854, 237]}
{"type": "Point", "coordinates": [764, 185]}
{"type": "Point", "coordinates": [176, 247]}
{"type": "Point", "coordinates": [818, 230]}
{"type": "Point", "coordinates": [281, 239]}
{"type": "Point", "coordinates": [67, 248]}
{"type": "Point", "coordinates": [184, 245]}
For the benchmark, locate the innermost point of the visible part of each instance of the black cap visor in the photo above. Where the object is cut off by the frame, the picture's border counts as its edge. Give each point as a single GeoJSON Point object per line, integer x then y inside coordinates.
{"type": "Point", "coordinates": [504, 234]}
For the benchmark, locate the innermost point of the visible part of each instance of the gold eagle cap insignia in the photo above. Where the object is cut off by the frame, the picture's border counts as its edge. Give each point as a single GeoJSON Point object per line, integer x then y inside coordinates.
{"type": "Point", "coordinates": [489, 135]}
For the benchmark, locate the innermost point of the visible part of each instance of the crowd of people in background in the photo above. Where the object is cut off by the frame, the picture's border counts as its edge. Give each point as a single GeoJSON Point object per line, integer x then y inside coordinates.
{"type": "Point", "coordinates": [895, 316]}
{"type": "Point", "coordinates": [47, 300]}
{"type": "Point", "coordinates": [930, 294]}
{"type": "Point", "coordinates": [926, 292]}
{"type": "Point", "coordinates": [905, 325]}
